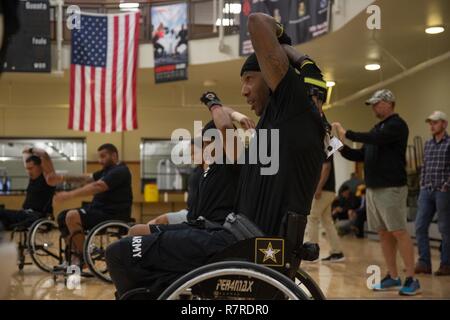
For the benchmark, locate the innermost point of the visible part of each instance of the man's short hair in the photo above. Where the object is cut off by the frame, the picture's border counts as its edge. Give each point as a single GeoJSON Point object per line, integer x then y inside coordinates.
{"type": "Point", "coordinates": [108, 147]}
{"type": "Point", "coordinates": [35, 159]}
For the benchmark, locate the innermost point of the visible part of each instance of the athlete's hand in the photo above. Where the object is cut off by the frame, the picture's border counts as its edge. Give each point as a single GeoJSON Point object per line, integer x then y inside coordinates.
{"type": "Point", "coordinates": [243, 120]}
{"type": "Point", "coordinates": [61, 196]}
{"type": "Point", "coordinates": [210, 99]}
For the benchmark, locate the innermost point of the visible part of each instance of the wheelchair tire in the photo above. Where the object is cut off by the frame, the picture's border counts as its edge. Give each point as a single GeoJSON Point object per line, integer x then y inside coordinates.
{"type": "Point", "coordinates": [274, 279]}
{"type": "Point", "coordinates": [43, 244]}
{"type": "Point", "coordinates": [94, 252]}
{"type": "Point", "coordinates": [305, 281]}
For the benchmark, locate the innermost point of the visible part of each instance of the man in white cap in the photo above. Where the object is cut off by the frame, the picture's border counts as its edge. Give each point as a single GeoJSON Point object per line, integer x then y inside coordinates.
{"type": "Point", "coordinates": [384, 156]}
{"type": "Point", "coordinates": [434, 197]}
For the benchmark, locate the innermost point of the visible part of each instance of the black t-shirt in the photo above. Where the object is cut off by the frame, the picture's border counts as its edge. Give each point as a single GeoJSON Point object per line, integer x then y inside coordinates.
{"type": "Point", "coordinates": [330, 185]}
{"type": "Point", "coordinates": [118, 198]}
{"type": "Point", "coordinates": [266, 199]}
{"type": "Point", "coordinates": [39, 195]}
{"type": "Point", "coordinates": [216, 192]}
{"type": "Point", "coordinates": [194, 180]}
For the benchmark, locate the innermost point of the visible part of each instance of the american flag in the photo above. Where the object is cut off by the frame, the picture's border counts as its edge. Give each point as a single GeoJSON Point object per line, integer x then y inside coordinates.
{"type": "Point", "coordinates": [103, 73]}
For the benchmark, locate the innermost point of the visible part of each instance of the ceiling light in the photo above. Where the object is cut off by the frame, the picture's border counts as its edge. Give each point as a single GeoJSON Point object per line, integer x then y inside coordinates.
{"type": "Point", "coordinates": [372, 66]}
{"type": "Point", "coordinates": [434, 30]}
{"type": "Point", "coordinates": [331, 84]}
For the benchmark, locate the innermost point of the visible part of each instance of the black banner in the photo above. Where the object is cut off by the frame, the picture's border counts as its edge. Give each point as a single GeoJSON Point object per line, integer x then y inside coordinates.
{"type": "Point", "coordinates": [303, 19]}
{"type": "Point", "coordinates": [29, 48]}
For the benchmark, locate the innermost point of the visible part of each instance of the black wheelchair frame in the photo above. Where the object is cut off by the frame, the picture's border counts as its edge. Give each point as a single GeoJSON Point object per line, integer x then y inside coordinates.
{"type": "Point", "coordinates": [93, 252]}
{"type": "Point", "coordinates": [255, 268]}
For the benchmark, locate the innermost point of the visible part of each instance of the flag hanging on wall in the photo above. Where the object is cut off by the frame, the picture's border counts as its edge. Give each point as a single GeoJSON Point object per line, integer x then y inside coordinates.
{"type": "Point", "coordinates": [103, 73]}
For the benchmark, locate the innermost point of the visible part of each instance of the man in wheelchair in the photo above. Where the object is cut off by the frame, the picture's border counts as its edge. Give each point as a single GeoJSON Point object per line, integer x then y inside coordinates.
{"type": "Point", "coordinates": [213, 195]}
{"type": "Point", "coordinates": [39, 194]}
{"type": "Point", "coordinates": [111, 188]}
{"type": "Point", "coordinates": [265, 203]}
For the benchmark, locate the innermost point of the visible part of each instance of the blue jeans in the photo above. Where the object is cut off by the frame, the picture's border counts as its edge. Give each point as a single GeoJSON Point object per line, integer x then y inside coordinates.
{"type": "Point", "coordinates": [429, 203]}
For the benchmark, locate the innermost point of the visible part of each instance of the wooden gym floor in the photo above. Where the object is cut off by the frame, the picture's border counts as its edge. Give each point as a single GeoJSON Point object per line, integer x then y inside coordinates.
{"type": "Point", "coordinates": [344, 280]}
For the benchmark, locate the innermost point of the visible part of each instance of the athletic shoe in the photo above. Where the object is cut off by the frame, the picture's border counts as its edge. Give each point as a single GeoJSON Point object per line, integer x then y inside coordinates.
{"type": "Point", "coordinates": [387, 283]}
{"type": "Point", "coordinates": [334, 257]}
{"type": "Point", "coordinates": [411, 287]}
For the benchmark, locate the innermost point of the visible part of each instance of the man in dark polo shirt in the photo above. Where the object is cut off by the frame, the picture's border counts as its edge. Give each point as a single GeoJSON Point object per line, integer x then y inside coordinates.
{"type": "Point", "coordinates": [384, 156]}
{"type": "Point", "coordinates": [111, 188]}
{"type": "Point", "coordinates": [40, 190]}
{"type": "Point", "coordinates": [212, 197]}
{"type": "Point", "coordinates": [277, 94]}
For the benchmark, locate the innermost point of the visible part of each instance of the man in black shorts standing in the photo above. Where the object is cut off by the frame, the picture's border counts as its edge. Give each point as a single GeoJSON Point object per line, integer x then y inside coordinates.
{"type": "Point", "coordinates": [278, 94]}
{"type": "Point", "coordinates": [40, 190]}
{"type": "Point", "coordinates": [111, 188]}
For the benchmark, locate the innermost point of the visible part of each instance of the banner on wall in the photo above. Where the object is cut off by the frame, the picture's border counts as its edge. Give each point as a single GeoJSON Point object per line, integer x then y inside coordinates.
{"type": "Point", "coordinates": [170, 42]}
{"type": "Point", "coordinates": [303, 20]}
{"type": "Point", "coordinates": [32, 40]}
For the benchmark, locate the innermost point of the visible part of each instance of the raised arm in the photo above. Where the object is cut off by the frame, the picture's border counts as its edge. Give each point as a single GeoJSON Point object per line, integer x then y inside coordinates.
{"type": "Point", "coordinates": [223, 118]}
{"type": "Point", "coordinates": [264, 32]}
{"type": "Point", "coordinates": [52, 178]}
{"type": "Point", "coordinates": [48, 169]}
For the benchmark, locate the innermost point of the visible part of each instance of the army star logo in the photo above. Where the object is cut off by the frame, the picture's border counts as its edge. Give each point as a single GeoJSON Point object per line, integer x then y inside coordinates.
{"type": "Point", "coordinates": [270, 253]}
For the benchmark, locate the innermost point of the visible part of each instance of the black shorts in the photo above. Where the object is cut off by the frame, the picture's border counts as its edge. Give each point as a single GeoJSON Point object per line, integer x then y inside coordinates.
{"type": "Point", "coordinates": [157, 259]}
{"type": "Point", "coordinates": [13, 218]}
{"type": "Point", "coordinates": [89, 219]}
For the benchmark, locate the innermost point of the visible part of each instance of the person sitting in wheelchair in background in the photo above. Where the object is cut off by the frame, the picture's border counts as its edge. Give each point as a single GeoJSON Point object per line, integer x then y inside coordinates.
{"type": "Point", "coordinates": [39, 193]}
{"type": "Point", "coordinates": [111, 188]}
{"type": "Point", "coordinates": [211, 194]}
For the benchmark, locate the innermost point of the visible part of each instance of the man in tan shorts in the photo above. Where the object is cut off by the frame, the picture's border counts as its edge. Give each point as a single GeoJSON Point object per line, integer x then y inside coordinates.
{"type": "Point", "coordinates": [384, 156]}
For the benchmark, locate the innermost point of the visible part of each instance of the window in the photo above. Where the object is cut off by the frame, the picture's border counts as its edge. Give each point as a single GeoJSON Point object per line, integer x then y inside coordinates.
{"type": "Point", "coordinates": [157, 165]}
{"type": "Point", "coordinates": [68, 155]}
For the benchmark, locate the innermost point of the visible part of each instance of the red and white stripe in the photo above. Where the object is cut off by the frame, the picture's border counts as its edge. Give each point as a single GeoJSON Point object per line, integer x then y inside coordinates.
{"type": "Point", "coordinates": [104, 99]}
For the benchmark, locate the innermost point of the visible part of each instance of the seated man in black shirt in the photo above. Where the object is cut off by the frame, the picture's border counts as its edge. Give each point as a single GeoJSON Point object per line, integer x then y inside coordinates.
{"type": "Point", "coordinates": [278, 95]}
{"type": "Point", "coordinates": [211, 198]}
{"type": "Point", "coordinates": [111, 188]}
{"type": "Point", "coordinates": [40, 190]}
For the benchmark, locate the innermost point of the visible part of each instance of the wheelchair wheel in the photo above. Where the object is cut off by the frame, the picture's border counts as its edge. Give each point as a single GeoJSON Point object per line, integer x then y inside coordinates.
{"type": "Point", "coordinates": [233, 280]}
{"type": "Point", "coordinates": [44, 244]}
{"type": "Point", "coordinates": [308, 285]}
{"type": "Point", "coordinates": [98, 239]}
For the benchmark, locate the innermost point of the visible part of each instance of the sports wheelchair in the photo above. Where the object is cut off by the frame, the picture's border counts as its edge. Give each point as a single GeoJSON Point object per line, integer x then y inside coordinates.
{"type": "Point", "coordinates": [260, 268]}
{"type": "Point", "coordinates": [43, 241]}
{"type": "Point", "coordinates": [96, 241]}
{"type": "Point", "coordinates": [37, 240]}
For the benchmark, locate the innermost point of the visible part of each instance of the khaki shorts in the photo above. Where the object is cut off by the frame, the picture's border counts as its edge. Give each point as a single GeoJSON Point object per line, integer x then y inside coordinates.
{"type": "Point", "coordinates": [386, 208]}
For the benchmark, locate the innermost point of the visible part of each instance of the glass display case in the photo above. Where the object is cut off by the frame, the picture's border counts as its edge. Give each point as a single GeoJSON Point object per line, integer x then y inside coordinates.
{"type": "Point", "coordinates": [67, 154]}
{"type": "Point", "coordinates": [157, 165]}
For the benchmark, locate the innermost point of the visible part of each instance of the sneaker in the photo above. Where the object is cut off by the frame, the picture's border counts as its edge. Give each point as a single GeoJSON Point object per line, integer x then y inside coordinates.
{"type": "Point", "coordinates": [387, 283]}
{"type": "Point", "coordinates": [421, 267]}
{"type": "Point", "coordinates": [411, 287]}
{"type": "Point", "coordinates": [443, 271]}
{"type": "Point", "coordinates": [334, 257]}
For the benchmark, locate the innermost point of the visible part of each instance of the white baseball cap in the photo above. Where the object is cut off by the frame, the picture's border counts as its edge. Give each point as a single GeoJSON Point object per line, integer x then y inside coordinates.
{"type": "Point", "coordinates": [437, 115]}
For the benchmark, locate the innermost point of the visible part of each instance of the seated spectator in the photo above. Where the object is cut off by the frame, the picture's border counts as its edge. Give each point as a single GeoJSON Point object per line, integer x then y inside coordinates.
{"type": "Point", "coordinates": [358, 216]}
